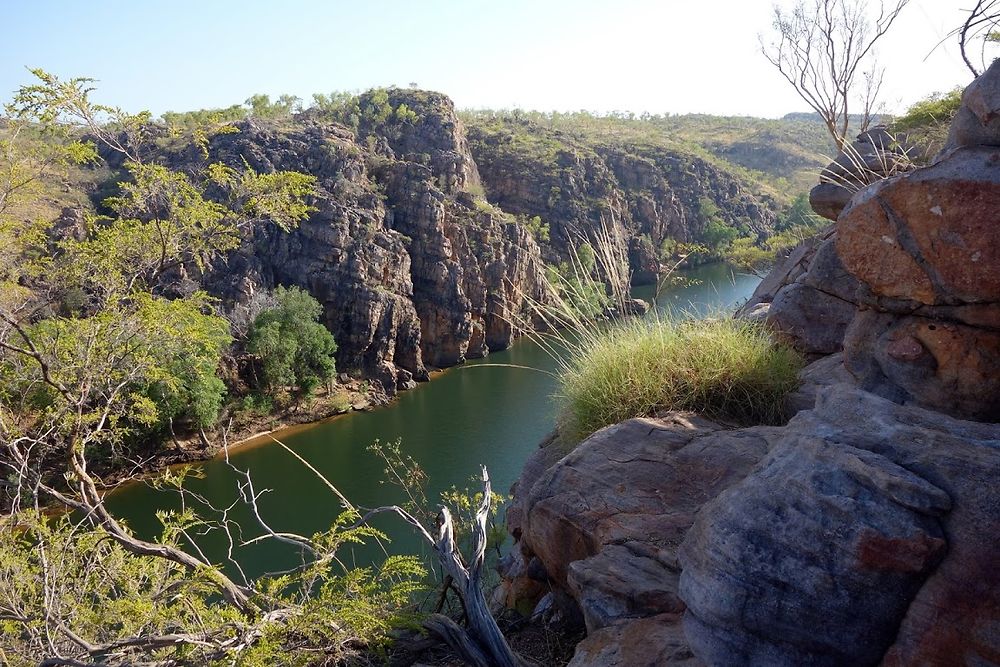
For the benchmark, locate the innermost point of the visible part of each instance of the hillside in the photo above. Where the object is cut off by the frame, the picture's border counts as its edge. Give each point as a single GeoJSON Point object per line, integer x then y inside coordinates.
{"type": "Point", "coordinates": [782, 154]}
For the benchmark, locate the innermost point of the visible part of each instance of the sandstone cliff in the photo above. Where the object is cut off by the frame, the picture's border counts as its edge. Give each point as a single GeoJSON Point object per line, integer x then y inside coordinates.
{"type": "Point", "coordinates": [643, 191]}
{"type": "Point", "coordinates": [864, 531]}
{"type": "Point", "coordinates": [413, 269]}
{"type": "Point", "coordinates": [418, 249]}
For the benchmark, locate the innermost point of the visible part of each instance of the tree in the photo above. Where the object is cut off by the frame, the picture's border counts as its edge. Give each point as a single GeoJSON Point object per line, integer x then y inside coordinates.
{"type": "Point", "coordinates": [825, 50]}
{"type": "Point", "coordinates": [261, 105]}
{"type": "Point", "coordinates": [981, 26]}
{"type": "Point", "coordinates": [716, 235]}
{"type": "Point", "coordinates": [76, 586]}
{"type": "Point", "coordinates": [293, 347]}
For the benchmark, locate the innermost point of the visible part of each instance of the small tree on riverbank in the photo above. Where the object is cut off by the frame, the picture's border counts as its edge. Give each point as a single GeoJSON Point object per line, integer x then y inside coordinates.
{"type": "Point", "coordinates": [294, 349]}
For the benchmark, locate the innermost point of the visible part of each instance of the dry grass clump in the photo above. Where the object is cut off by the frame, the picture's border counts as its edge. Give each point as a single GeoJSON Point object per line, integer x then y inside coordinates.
{"type": "Point", "coordinates": [722, 368]}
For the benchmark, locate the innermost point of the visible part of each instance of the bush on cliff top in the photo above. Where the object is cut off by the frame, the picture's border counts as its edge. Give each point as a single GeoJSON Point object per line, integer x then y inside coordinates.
{"type": "Point", "coordinates": [722, 368]}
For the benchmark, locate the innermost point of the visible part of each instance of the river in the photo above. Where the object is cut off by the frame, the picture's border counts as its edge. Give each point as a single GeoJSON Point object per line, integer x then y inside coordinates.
{"type": "Point", "coordinates": [480, 413]}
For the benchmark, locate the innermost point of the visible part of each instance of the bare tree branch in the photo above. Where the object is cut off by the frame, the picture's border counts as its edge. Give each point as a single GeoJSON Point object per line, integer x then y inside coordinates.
{"type": "Point", "coordinates": [822, 47]}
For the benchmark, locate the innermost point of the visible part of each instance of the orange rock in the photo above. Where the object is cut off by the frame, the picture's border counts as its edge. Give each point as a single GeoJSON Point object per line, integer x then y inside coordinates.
{"type": "Point", "coordinates": [931, 236]}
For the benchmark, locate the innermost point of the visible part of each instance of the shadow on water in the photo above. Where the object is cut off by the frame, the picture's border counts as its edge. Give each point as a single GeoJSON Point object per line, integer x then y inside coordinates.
{"type": "Point", "coordinates": [482, 413]}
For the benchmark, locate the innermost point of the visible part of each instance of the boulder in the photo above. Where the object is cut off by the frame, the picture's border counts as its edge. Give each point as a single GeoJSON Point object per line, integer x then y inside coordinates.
{"type": "Point", "coordinates": [641, 481]}
{"type": "Point", "coordinates": [762, 581]}
{"type": "Point", "coordinates": [931, 236]}
{"type": "Point", "coordinates": [977, 122]}
{"type": "Point", "coordinates": [814, 379]}
{"type": "Point", "coordinates": [829, 199]}
{"type": "Point", "coordinates": [647, 642]}
{"type": "Point", "coordinates": [827, 273]}
{"type": "Point", "coordinates": [874, 155]}
{"type": "Point", "coordinates": [602, 525]}
{"type": "Point", "coordinates": [810, 320]}
{"type": "Point", "coordinates": [932, 363]}
{"type": "Point", "coordinates": [810, 298]}
{"type": "Point", "coordinates": [869, 530]}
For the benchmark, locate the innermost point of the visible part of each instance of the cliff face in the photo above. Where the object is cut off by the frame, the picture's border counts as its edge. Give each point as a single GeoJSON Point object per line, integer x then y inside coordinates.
{"type": "Point", "coordinates": [643, 192]}
{"type": "Point", "coordinates": [412, 269]}
{"type": "Point", "coordinates": [418, 249]}
{"type": "Point", "coordinates": [863, 532]}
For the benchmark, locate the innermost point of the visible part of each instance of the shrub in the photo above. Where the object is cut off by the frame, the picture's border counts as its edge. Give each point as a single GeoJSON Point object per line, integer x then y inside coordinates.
{"type": "Point", "coordinates": [723, 368]}
{"type": "Point", "coordinates": [294, 348]}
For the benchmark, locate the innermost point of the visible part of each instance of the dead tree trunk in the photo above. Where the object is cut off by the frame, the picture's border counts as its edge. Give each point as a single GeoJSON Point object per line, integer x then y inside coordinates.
{"type": "Point", "coordinates": [483, 629]}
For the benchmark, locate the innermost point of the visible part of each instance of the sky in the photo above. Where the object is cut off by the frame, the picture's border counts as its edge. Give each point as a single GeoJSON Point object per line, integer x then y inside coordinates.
{"type": "Point", "coordinates": [657, 56]}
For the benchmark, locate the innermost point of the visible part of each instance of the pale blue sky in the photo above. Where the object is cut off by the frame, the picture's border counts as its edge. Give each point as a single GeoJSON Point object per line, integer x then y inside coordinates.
{"type": "Point", "coordinates": [639, 55]}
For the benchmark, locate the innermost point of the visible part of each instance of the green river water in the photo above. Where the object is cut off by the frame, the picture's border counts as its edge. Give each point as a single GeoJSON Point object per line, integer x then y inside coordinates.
{"type": "Point", "coordinates": [467, 416]}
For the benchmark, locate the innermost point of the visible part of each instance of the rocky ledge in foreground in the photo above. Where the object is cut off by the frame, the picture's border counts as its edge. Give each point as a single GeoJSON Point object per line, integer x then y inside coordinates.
{"type": "Point", "coordinates": [863, 531]}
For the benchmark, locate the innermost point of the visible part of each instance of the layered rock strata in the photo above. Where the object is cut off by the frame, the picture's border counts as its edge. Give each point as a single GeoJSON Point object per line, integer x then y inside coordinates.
{"type": "Point", "coordinates": [640, 193]}
{"type": "Point", "coordinates": [412, 270]}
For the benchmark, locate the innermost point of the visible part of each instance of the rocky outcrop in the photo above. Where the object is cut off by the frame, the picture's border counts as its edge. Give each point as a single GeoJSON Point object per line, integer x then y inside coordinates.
{"type": "Point", "coordinates": [808, 299]}
{"type": "Point", "coordinates": [907, 279]}
{"type": "Point", "coordinates": [640, 193]}
{"type": "Point", "coordinates": [863, 532]}
{"type": "Point", "coordinates": [874, 155]}
{"type": "Point", "coordinates": [413, 270]}
{"type": "Point", "coordinates": [602, 526]}
{"type": "Point", "coordinates": [977, 122]}
{"type": "Point", "coordinates": [926, 248]}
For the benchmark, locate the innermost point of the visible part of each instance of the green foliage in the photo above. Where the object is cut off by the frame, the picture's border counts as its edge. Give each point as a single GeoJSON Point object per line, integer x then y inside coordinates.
{"type": "Point", "coordinates": [537, 228]}
{"type": "Point", "coordinates": [378, 115]}
{"type": "Point", "coordinates": [796, 225]}
{"type": "Point", "coordinates": [261, 106]}
{"type": "Point", "coordinates": [294, 348]}
{"type": "Point", "coordinates": [54, 568]}
{"type": "Point", "coordinates": [935, 109]}
{"type": "Point", "coordinates": [135, 355]}
{"type": "Point", "coordinates": [279, 196]}
{"type": "Point", "coordinates": [402, 471]}
{"type": "Point", "coordinates": [189, 344]}
{"type": "Point", "coordinates": [774, 156]}
{"type": "Point", "coordinates": [404, 114]}
{"type": "Point", "coordinates": [586, 258]}
{"type": "Point", "coordinates": [723, 368]}
{"type": "Point", "coordinates": [926, 123]}
{"type": "Point", "coordinates": [463, 504]}
{"type": "Point", "coordinates": [584, 296]}
{"type": "Point", "coordinates": [340, 107]}
{"type": "Point", "coordinates": [716, 234]}
{"type": "Point", "coordinates": [165, 370]}
{"type": "Point", "coordinates": [127, 359]}
{"type": "Point", "coordinates": [190, 120]}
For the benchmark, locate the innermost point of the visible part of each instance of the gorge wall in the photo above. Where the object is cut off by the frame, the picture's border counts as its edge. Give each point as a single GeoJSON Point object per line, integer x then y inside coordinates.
{"type": "Point", "coordinates": [579, 185]}
{"type": "Point", "coordinates": [417, 249]}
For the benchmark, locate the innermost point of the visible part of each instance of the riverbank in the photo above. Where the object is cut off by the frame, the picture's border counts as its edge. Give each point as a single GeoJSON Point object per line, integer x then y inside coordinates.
{"type": "Point", "coordinates": [240, 428]}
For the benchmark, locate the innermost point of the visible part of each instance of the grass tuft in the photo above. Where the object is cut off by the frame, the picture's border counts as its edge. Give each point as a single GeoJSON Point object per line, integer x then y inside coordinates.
{"type": "Point", "coordinates": [722, 368]}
